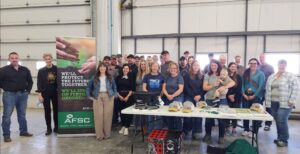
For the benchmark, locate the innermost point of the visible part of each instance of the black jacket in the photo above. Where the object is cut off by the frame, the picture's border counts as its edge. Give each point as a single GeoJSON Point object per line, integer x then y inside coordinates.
{"type": "Point", "coordinates": [42, 79]}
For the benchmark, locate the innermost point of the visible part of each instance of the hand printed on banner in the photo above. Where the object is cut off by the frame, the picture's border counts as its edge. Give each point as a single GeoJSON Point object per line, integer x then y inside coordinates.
{"type": "Point", "coordinates": [88, 66]}
{"type": "Point", "coordinates": [65, 50]}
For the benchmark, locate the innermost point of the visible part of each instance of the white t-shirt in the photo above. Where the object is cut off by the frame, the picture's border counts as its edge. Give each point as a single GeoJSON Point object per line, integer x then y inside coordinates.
{"type": "Point", "coordinates": [102, 84]}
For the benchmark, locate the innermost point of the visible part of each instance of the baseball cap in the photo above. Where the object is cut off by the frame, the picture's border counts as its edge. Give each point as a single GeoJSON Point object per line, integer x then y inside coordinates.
{"type": "Point", "coordinates": [175, 106]}
{"type": "Point", "coordinates": [188, 107]}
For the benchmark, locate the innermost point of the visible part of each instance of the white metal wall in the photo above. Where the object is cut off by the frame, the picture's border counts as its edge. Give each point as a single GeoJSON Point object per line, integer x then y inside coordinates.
{"type": "Point", "coordinates": [154, 17]}
{"type": "Point", "coordinates": [204, 16]}
{"type": "Point", "coordinates": [29, 28]}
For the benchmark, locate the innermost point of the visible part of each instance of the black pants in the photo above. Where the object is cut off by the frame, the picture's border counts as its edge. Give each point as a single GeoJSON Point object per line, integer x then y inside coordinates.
{"type": "Point", "coordinates": [51, 96]}
{"type": "Point", "coordinates": [268, 109]}
{"type": "Point", "coordinates": [255, 123]}
{"type": "Point", "coordinates": [117, 110]}
{"type": "Point", "coordinates": [233, 121]}
{"type": "Point", "coordinates": [126, 119]}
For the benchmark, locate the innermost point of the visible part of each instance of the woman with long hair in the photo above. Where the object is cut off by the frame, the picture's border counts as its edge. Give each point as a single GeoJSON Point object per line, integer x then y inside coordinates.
{"type": "Point", "coordinates": [153, 82]}
{"type": "Point", "coordinates": [101, 90]}
{"type": "Point", "coordinates": [125, 86]}
{"type": "Point", "coordinates": [143, 69]}
{"type": "Point", "coordinates": [252, 91]}
{"type": "Point", "coordinates": [210, 84]}
{"type": "Point", "coordinates": [234, 96]}
{"type": "Point", "coordinates": [193, 92]}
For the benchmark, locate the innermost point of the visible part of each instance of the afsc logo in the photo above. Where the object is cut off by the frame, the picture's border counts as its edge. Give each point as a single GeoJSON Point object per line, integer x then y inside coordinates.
{"type": "Point", "coordinates": [70, 119]}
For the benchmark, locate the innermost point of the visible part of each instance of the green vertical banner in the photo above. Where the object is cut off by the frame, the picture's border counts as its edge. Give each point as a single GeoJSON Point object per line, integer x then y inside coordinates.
{"type": "Point", "coordinates": [76, 63]}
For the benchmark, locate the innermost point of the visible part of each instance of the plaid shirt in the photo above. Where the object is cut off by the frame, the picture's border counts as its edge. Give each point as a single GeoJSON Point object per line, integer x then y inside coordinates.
{"type": "Point", "coordinates": [288, 89]}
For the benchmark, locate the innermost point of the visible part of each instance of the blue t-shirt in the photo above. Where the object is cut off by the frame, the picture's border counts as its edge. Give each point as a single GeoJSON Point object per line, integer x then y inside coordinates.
{"type": "Point", "coordinates": [172, 83]}
{"type": "Point", "coordinates": [154, 82]}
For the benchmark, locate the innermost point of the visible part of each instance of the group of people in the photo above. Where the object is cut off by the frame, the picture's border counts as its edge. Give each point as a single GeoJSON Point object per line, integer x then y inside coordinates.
{"type": "Point", "coordinates": [16, 82]}
{"type": "Point", "coordinates": [218, 84]}
{"type": "Point", "coordinates": [113, 86]}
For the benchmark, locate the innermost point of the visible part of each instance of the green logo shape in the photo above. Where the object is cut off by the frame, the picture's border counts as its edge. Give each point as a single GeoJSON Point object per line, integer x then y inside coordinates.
{"type": "Point", "coordinates": [75, 120]}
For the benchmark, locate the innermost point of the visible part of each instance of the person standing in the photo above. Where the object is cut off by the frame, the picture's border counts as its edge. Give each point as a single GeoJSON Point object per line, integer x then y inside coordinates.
{"type": "Point", "coordinates": [210, 57]}
{"type": "Point", "coordinates": [173, 91]}
{"type": "Point", "coordinates": [183, 67]}
{"type": "Point", "coordinates": [282, 89]}
{"type": "Point", "coordinates": [210, 84]}
{"type": "Point", "coordinates": [125, 86]}
{"type": "Point", "coordinates": [186, 54]}
{"type": "Point", "coordinates": [252, 92]}
{"type": "Point", "coordinates": [267, 69]}
{"type": "Point", "coordinates": [223, 61]}
{"type": "Point", "coordinates": [47, 91]}
{"type": "Point", "coordinates": [101, 90]}
{"type": "Point", "coordinates": [16, 81]}
{"type": "Point", "coordinates": [234, 96]}
{"type": "Point", "coordinates": [133, 68]}
{"type": "Point", "coordinates": [193, 92]}
{"type": "Point", "coordinates": [165, 57]}
{"type": "Point", "coordinates": [240, 68]}
{"type": "Point", "coordinates": [153, 82]}
{"type": "Point", "coordinates": [143, 69]}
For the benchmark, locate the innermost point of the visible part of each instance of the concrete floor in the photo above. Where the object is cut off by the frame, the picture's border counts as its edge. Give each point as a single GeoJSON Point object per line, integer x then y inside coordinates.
{"type": "Point", "coordinates": [119, 144]}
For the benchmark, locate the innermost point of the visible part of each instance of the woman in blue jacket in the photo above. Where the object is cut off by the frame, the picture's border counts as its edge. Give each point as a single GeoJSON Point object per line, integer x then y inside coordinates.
{"type": "Point", "coordinates": [101, 90]}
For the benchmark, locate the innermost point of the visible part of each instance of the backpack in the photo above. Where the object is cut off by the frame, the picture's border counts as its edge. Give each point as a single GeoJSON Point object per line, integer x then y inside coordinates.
{"type": "Point", "coordinates": [241, 146]}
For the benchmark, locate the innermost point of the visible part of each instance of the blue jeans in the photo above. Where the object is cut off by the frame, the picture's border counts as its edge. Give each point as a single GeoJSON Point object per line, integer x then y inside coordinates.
{"type": "Point", "coordinates": [10, 100]}
{"type": "Point", "coordinates": [281, 116]}
{"type": "Point", "coordinates": [192, 124]}
{"type": "Point", "coordinates": [209, 123]}
{"type": "Point", "coordinates": [223, 101]}
{"type": "Point", "coordinates": [173, 123]}
{"type": "Point", "coordinates": [256, 124]}
{"type": "Point", "coordinates": [154, 122]}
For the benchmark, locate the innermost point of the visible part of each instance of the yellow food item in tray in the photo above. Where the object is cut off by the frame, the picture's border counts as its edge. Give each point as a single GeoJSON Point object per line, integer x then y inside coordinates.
{"type": "Point", "coordinates": [257, 107]}
{"type": "Point", "coordinates": [201, 104]}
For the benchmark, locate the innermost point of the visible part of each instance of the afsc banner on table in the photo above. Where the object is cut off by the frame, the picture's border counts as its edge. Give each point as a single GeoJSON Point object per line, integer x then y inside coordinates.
{"type": "Point", "coordinates": [76, 62]}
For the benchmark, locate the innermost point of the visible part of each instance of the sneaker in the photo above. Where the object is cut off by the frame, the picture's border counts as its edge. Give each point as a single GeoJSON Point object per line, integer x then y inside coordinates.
{"type": "Point", "coordinates": [276, 141]}
{"type": "Point", "coordinates": [233, 132]}
{"type": "Point", "coordinates": [221, 140]}
{"type": "Point", "coordinates": [207, 139]}
{"type": "Point", "coordinates": [125, 131]}
{"type": "Point", "coordinates": [26, 134]}
{"type": "Point", "coordinates": [245, 133]}
{"type": "Point", "coordinates": [267, 128]}
{"type": "Point", "coordinates": [7, 139]}
{"type": "Point", "coordinates": [122, 130]}
{"type": "Point", "coordinates": [281, 143]}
